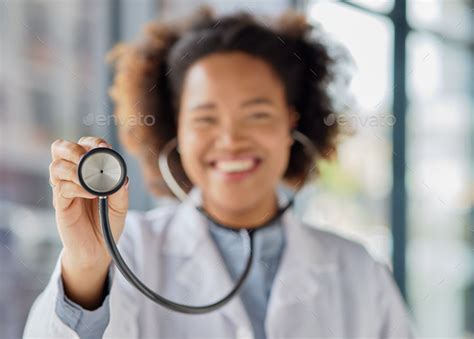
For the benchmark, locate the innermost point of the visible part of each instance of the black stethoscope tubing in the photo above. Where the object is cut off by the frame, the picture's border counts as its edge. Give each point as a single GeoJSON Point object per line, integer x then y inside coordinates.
{"type": "Point", "coordinates": [139, 285]}
{"type": "Point", "coordinates": [174, 306]}
{"type": "Point", "coordinates": [125, 269]}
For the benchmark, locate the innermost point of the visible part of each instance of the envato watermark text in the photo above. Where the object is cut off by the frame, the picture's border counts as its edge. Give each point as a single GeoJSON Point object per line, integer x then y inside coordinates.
{"type": "Point", "coordinates": [361, 121]}
{"type": "Point", "coordinates": [111, 119]}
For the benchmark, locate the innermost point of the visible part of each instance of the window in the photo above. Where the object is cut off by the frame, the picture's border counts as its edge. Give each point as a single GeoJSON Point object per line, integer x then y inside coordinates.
{"type": "Point", "coordinates": [52, 63]}
{"type": "Point", "coordinates": [437, 71]}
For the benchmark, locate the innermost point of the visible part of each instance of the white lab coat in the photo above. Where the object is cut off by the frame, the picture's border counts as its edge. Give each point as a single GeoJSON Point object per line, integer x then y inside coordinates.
{"type": "Point", "coordinates": [326, 286]}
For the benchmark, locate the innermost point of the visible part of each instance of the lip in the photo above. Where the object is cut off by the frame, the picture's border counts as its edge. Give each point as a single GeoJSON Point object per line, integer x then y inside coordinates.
{"type": "Point", "coordinates": [239, 175]}
{"type": "Point", "coordinates": [233, 157]}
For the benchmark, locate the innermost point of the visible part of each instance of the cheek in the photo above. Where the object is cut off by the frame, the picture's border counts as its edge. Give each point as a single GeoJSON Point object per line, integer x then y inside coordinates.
{"type": "Point", "coordinates": [273, 143]}
{"type": "Point", "coordinates": [192, 148]}
{"type": "Point", "coordinates": [277, 147]}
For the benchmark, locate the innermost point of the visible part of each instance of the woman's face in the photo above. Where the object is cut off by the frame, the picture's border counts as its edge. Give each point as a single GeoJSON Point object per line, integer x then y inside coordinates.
{"type": "Point", "coordinates": [234, 129]}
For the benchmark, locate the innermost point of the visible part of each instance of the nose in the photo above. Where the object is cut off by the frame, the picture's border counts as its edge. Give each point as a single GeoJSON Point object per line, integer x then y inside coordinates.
{"type": "Point", "coordinates": [231, 136]}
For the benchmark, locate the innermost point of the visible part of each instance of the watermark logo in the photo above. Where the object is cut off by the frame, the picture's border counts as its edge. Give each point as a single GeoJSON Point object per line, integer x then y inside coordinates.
{"type": "Point", "coordinates": [101, 120]}
{"type": "Point", "coordinates": [388, 120]}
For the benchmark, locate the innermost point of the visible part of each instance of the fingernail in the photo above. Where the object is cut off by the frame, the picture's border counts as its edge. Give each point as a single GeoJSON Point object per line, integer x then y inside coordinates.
{"type": "Point", "coordinates": [103, 144]}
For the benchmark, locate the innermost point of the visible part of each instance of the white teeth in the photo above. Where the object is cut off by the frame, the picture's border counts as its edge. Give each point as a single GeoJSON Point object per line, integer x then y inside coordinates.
{"type": "Point", "coordinates": [234, 165]}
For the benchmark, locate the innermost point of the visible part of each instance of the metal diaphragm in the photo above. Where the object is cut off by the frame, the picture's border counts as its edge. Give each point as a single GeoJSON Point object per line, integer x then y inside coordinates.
{"type": "Point", "coordinates": [102, 171]}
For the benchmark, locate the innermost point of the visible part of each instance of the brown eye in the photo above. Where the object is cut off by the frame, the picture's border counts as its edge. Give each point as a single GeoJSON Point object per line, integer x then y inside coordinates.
{"type": "Point", "coordinates": [205, 120]}
{"type": "Point", "coordinates": [260, 115]}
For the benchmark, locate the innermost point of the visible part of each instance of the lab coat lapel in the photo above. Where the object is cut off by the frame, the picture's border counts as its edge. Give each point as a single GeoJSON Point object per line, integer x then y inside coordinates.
{"type": "Point", "coordinates": [203, 273]}
{"type": "Point", "coordinates": [302, 275]}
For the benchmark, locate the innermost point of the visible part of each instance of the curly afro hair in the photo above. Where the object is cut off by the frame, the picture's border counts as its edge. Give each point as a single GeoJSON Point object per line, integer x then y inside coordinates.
{"type": "Point", "coordinates": [150, 72]}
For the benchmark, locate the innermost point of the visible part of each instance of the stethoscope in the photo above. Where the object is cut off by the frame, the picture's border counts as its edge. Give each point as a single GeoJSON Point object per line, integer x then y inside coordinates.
{"type": "Point", "coordinates": [102, 172]}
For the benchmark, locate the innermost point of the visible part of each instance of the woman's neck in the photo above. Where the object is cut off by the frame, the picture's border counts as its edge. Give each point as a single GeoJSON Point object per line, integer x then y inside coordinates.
{"type": "Point", "coordinates": [252, 217]}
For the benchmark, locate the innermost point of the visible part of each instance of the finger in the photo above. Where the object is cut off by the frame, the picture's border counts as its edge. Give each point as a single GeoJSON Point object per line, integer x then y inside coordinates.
{"type": "Point", "coordinates": [63, 170]}
{"type": "Point", "coordinates": [118, 202]}
{"type": "Point", "coordinates": [90, 142]}
{"type": "Point", "coordinates": [66, 191]}
{"type": "Point", "coordinates": [67, 150]}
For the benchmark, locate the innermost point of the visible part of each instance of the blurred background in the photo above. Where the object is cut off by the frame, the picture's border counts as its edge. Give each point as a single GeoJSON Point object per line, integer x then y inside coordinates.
{"type": "Point", "coordinates": [403, 185]}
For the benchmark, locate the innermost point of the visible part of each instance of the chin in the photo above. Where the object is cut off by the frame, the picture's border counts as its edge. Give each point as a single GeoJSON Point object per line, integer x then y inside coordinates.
{"type": "Point", "coordinates": [232, 195]}
{"type": "Point", "coordinates": [234, 198]}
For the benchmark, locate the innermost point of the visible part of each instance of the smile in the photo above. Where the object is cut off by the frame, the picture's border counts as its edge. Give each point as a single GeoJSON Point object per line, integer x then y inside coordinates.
{"type": "Point", "coordinates": [236, 169]}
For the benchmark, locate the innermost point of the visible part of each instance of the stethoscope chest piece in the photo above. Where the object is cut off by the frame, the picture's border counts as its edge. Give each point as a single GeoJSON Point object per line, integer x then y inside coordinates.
{"type": "Point", "coordinates": [102, 171]}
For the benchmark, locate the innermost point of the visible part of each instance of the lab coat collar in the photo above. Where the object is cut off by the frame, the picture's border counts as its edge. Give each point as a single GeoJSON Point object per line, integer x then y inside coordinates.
{"type": "Point", "coordinates": [190, 226]}
{"type": "Point", "coordinates": [204, 273]}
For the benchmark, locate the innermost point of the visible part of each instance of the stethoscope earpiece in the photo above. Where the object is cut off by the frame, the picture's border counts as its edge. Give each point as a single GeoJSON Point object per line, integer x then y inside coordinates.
{"type": "Point", "coordinates": [102, 171]}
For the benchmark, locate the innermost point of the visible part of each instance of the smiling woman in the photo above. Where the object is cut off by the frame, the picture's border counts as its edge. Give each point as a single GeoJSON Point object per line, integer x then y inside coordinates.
{"type": "Point", "coordinates": [234, 134]}
{"type": "Point", "coordinates": [265, 76]}
{"type": "Point", "coordinates": [233, 94]}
